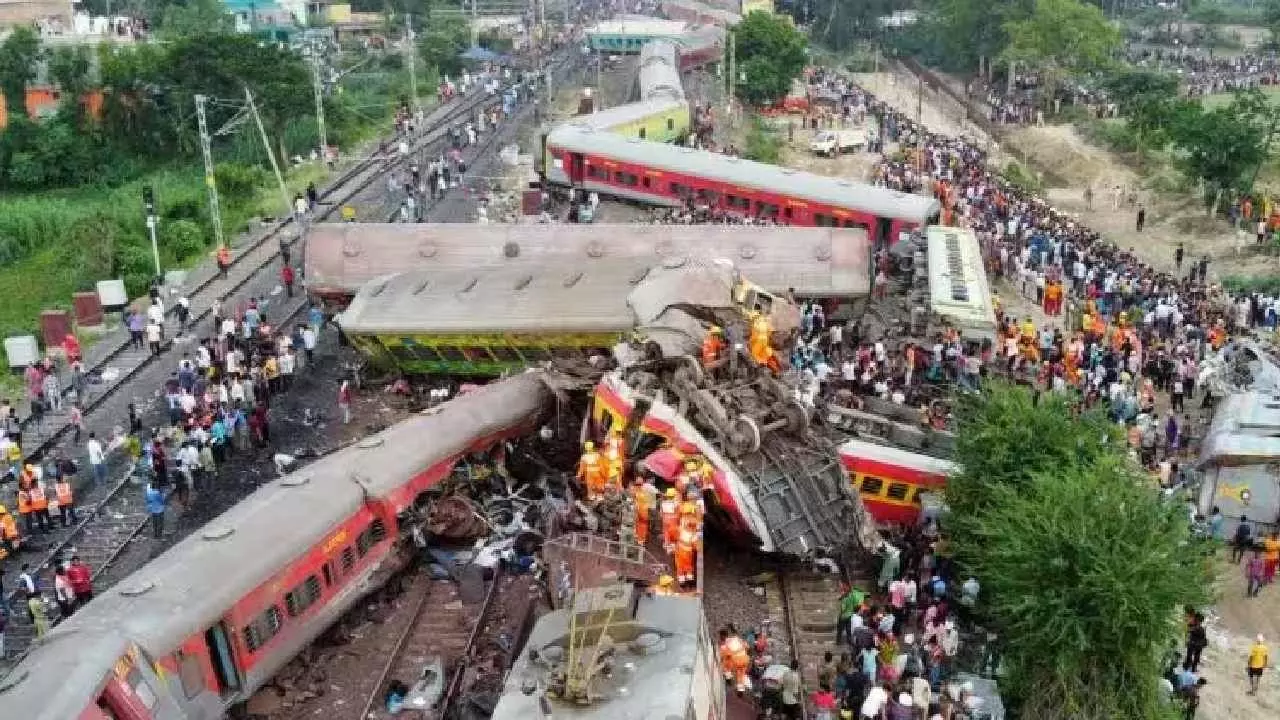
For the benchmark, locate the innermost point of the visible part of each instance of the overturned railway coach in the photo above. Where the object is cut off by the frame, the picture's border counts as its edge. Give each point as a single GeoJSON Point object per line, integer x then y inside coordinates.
{"type": "Point", "coordinates": [200, 628]}
{"type": "Point", "coordinates": [816, 262]}
{"type": "Point", "coordinates": [490, 322]}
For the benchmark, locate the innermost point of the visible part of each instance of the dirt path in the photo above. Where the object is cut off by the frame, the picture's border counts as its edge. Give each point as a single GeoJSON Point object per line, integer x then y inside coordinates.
{"type": "Point", "coordinates": [1170, 219]}
{"type": "Point", "coordinates": [1233, 623]}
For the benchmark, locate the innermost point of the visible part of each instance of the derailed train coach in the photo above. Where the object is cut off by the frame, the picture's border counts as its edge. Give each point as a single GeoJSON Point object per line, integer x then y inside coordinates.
{"type": "Point", "coordinates": [202, 627]}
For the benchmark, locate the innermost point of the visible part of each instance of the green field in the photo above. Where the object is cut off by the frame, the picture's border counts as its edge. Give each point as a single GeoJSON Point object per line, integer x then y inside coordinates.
{"type": "Point", "coordinates": [1272, 93]}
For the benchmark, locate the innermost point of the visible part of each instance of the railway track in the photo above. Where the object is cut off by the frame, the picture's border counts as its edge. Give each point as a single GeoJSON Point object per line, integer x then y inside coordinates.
{"type": "Point", "coordinates": [111, 517]}
{"type": "Point", "coordinates": [445, 628]}
{"type": "Point", "coordinates": [485, 143]}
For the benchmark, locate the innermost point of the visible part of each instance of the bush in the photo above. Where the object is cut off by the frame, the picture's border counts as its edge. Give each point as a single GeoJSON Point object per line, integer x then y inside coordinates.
{"type": "Point", "coordinates": [763, 145]}
{"type": "Point", "coordinates": [239, 182]}
{"type": "Point", "coordinates": [1023, 178]}
{"type": "Point", "coordinates": [183, 239]}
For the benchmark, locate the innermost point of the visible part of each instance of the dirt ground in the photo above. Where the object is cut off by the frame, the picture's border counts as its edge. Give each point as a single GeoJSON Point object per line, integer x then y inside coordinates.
{"type": "Point", "coordinates": [1170, 219]}
{"type": "Point", "coordinates": [1233, 622]}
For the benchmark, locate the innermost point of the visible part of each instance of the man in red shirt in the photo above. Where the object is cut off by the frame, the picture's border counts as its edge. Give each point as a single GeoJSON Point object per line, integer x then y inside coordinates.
{"type": "Point", "coordinates": [81, 578]}
{"type": "Point", "coordinates": [286, 277]}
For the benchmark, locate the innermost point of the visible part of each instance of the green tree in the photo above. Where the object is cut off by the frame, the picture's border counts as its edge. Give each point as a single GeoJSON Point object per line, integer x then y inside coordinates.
{"type": "Point", "coordinates": [1224, 146]}
{"type": "Point", "coordinates": [1060, 38]}
{"type": "Point", "coordinates": [1149, 101]}
{"type": "Point", "coordinates": [1083, 567]}
{"type": "Point", "coordinates": [1271, 17]}
{"type": "Point", "coordinates": [195, 17]}
{"type": "Point", "coordinates": [770, 53]}
{"type": "Point", "coordinates": [19, 54]}
{"type": "Point", "coordinates": [69, 68]}
{"type": "Point", "coordinates": [970, 33]}
{"type": "Point", "coordinates": [443, 43]}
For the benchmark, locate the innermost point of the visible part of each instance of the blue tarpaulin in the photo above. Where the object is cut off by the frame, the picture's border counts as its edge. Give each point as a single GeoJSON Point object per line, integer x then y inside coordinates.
{"type": "Point", "coordinates": [479, 54]}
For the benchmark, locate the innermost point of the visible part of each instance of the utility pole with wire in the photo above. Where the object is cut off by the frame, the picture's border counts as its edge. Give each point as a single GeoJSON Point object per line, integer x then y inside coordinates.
{"type": "Point", "coordinates": [215, 215]}
{"type": "Point", "coordinates": [733, 73]}
{"type": "Point", "coordinates": [413, 60]}
{"type": "Point", "coordinates": [319, 90]}
{"type": "Point", "coordinates": [266, 145]}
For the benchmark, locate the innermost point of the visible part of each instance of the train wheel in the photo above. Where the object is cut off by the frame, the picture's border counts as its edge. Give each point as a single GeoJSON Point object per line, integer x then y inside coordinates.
{"type": "Point", "coordinates": [689, 371]}
{"type": "Point", "coordinates": [796, 415]}
{"type": "Point", "coordinates": [744, 435]}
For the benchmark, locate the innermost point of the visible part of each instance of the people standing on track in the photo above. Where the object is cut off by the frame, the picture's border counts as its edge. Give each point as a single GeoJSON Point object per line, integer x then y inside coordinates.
{"type": "Point", "coordinates": [155, 500]}
{"type": "Point", "coordinates": [344, 401]}
{"type": "Point", "coordinates": [97, 459]}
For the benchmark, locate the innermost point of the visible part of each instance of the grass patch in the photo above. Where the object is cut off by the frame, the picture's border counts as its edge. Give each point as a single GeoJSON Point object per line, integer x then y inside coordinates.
{"type": "Point", "coordinates": [1271, 92]}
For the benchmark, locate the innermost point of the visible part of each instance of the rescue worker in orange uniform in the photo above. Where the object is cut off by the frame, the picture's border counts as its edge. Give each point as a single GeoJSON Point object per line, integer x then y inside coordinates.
{"type": "Point", "coordinates": [40, 506]}
{"type": "Point", "coordinates": [686, 548]}
{"type": "Point", "coordinates": [643, 496]}
{"type": "Point", "coordinates": [690, 512]}
{"type": "Point", "coordinates": [713, 346]}
{"type": "Point", "coordinates": [614, 460]}
{"type": "Point", "coordinates": [66, 501]}
{"type": "Point", "coordinates": [735, 660]}
{"type": "Point", "coordinates": [24, 510]}
{"type": "Point", "coordinates": [758, 342]}
{"type": "Point", "coordinates": [10, 540]}
{"type": "Point", "coordinates": [591, 470]}
{"type": "Point", "coordinates": [669, 511]}
{"type": "Point", "coordinates": [688, 477]}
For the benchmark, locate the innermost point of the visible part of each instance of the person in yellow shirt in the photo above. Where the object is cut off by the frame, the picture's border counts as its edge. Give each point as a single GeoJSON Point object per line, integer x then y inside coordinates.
{"type": "Point", "coordinates": [1259, 659]}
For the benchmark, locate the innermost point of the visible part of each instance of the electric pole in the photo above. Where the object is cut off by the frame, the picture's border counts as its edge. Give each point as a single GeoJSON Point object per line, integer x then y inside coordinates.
{"type": "Point", "coordinates": [319, 89]}
{"type": "Point", "coordinates": [413, 60]}
{"type": "Point", "coordinates": [266, 145]}
{"type": "Point", "coordinates": [215, 216]}
{"type": "Point", "coordinates": [149, 208]}
{"type": "Point", "coordinates": [733, 72]}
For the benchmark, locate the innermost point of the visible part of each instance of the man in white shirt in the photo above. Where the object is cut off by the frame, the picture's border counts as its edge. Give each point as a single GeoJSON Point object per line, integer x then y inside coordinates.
{"type": "Point", "coordinates": [875, 702]}
{"type": "Point", "coordinates": [154, 333]}
{"type": "Point", "coordinates": [97, 458]}
{"type": "Point", "coordinates": [309, 342]}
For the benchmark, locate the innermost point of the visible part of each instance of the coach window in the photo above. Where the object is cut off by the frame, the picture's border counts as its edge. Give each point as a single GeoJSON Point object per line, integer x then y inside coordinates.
{"type": "Point", "coordinates": [764, 209]}
{"type": "Point", "coordinates": [598, 173]}
{"type": "Point", "coordinates": [422, 352]}
{"type": "Point", "coordinates": [535, 353]}
{"type": "Point", "coordinates": [871, 485]}
{"type": "Point", "coordinates": [262, 629]}
{"type": "Point", "coordinates": [898, 491]}
{"type": "Point", "coordinates": [477, 354]}
{"type": "Point", "coordinates": [451, 354]}
{"type": "Point", "coordinates": [739, 203]}
{"type": "Point", "coordinates": [625, 178]}
{"type": "Point", "coordinates": [505, 354]}
{"type": "Point", "coordinates": [297, 600]}
{"type": "Point", "coordinates": [348, 559]}
{"type": "Point", "coordinates": [400, 352]}
{"type": "Point", "coordinates": [680, 190]}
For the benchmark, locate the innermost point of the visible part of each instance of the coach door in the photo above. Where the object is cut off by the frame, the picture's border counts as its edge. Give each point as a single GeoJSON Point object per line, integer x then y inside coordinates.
{"type": "Point", "coordinates": [884, 233]}
{"type": "Point", "coordinates": [576, 171]}
{"type": "Point", "coordinates": [224, 661]}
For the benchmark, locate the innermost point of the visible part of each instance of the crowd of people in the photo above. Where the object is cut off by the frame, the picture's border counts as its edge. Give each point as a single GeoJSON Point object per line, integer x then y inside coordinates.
{"type": "Point", "coordinates": [217, 403]}
{"type": "Point", "coordinates": [1203, 73]}
{"type": "Point", "coordinates": [414, 188]}
{"type": "Point", "coordinates": [1111, 329]}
